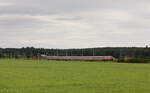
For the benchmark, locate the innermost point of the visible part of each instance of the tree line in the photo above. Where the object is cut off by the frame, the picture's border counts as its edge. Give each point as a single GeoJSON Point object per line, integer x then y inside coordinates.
{"type": "Point", "coordinates": [117, 52]}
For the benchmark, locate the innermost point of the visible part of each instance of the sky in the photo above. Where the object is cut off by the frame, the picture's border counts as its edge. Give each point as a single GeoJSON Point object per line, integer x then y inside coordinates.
{"type": "Point", "coordinates": [74, 23]}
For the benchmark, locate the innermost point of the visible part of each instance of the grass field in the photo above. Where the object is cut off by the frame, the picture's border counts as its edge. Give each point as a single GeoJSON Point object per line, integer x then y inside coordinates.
{"type": "Point", "coordinates": [33, 76]}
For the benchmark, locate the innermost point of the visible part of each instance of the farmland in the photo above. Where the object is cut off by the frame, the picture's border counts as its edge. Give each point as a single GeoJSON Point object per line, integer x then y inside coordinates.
{"type": "Point", "coordinates": [43, 76]}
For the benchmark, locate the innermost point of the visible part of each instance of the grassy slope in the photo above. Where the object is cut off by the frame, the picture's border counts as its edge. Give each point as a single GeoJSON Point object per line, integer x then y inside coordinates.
{"type": "Point", "coordinates": [31, 76]}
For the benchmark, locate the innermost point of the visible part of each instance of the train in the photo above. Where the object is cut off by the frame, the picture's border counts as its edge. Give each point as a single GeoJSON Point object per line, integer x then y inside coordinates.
{"type": "Point", "coordinates": [88, 58]}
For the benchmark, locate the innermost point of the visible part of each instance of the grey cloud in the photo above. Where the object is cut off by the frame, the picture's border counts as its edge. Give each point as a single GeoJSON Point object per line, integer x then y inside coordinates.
{"type": "Point", "coordinates": [73, 23]}
{"type": "Point", "coordinates": [70, 18]}
{"type": "Point", "coordinates": [38, 7]}
{"type": "Point", "coordinates": [19, 23]}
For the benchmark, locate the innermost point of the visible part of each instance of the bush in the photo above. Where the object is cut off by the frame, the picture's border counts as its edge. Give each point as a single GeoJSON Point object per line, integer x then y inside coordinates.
{"type": "Point", "coordinates": [135, 60]}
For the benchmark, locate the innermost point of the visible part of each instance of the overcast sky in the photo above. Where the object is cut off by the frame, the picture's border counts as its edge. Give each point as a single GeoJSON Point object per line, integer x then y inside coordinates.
{"type": "Point", "coordinates": [74, 23]}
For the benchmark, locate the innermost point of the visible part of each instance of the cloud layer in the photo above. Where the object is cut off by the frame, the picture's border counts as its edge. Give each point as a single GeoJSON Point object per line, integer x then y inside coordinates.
{"type": "Point", "coordinates": [74, 23]}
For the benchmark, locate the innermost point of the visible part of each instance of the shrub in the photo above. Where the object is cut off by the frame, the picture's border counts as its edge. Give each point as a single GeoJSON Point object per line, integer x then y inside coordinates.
{"type": "Point", "coordinates": [135, 60]}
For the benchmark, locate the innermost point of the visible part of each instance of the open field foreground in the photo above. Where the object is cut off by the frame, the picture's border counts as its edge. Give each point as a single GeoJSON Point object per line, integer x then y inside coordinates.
{"type": "Point", "coordinates": [32, 76]}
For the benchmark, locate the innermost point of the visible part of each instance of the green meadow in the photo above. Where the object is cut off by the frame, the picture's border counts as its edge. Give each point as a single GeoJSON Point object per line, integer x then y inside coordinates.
{"type": "Point", "coordinates": [43, 76]}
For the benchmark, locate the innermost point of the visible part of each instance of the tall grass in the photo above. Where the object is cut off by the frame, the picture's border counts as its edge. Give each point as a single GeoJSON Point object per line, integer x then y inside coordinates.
{"type": "Point", "coordinates": [42, 76]}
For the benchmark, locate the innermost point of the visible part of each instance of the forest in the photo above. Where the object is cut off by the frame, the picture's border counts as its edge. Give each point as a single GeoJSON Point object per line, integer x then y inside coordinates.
{"type": "Point", "coordinates": [117, 52]}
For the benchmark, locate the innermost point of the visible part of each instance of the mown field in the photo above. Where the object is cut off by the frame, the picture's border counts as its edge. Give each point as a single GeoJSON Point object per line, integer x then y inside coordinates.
{"type": "Point", "coordinates": [33, 76]}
